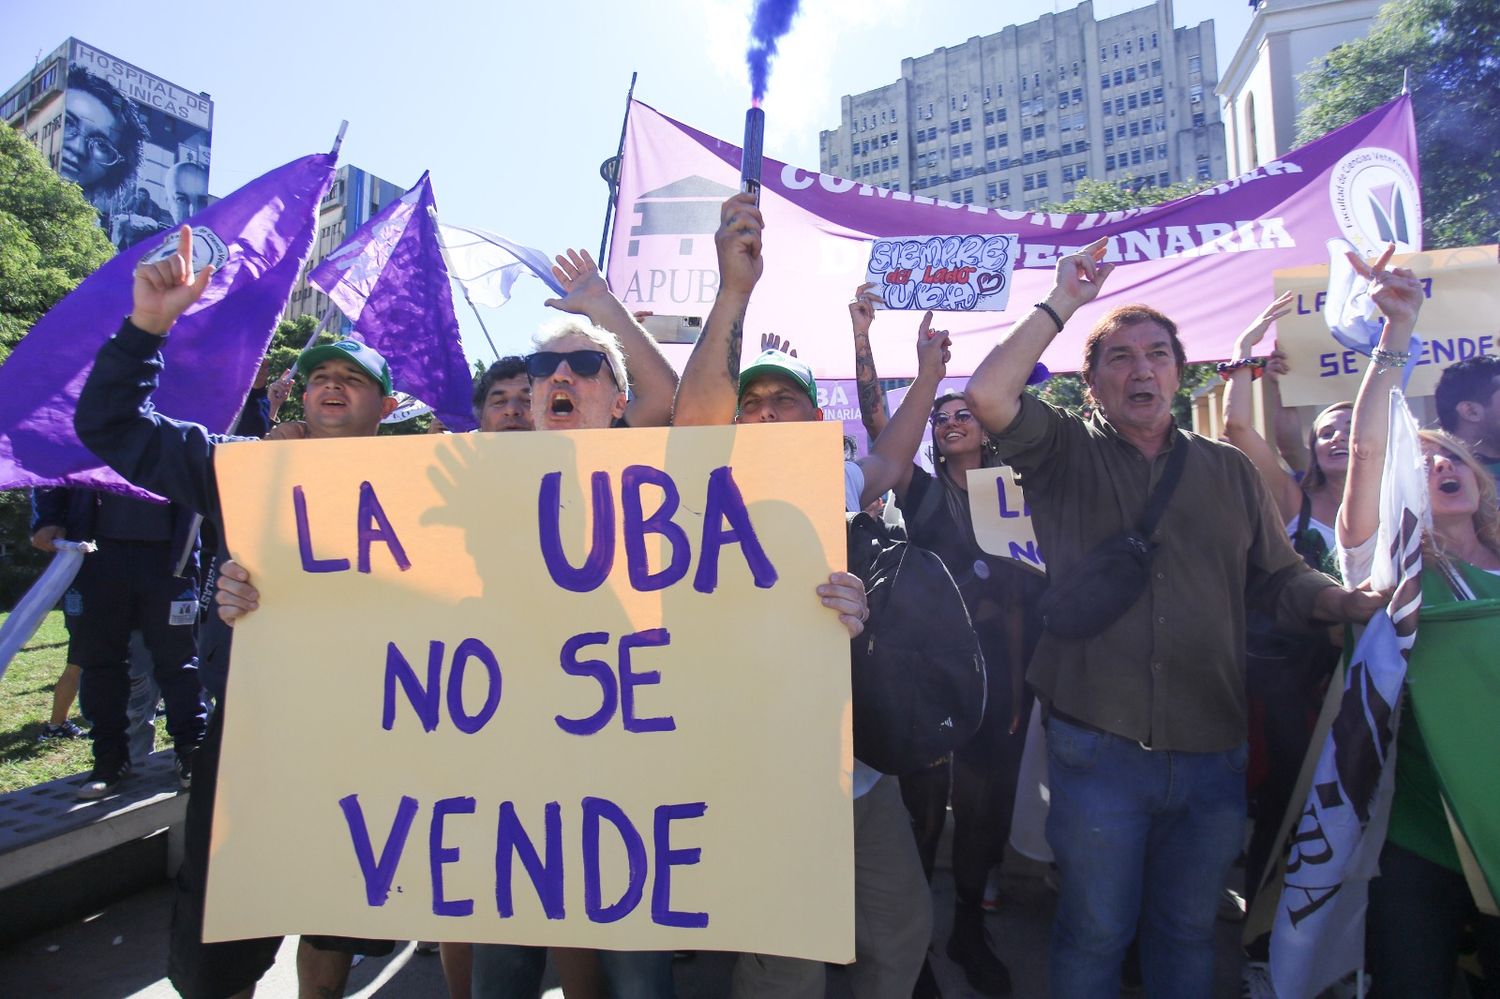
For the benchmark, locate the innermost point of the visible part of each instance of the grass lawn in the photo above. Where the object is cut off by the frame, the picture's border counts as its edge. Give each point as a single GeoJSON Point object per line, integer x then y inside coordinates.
{"type": "Point", "coordinates": [25, 706]}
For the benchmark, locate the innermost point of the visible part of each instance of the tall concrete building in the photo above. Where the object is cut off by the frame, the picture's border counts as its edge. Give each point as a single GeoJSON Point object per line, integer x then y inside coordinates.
{"type": "Point", "coordinates": [1014, 119]}
{"type": "Point", "coordinates": [353, 198]}
{"type": "Point", "coordinates": [1259, 86]}
{"type": "Point", "coordinates": [138, 145]}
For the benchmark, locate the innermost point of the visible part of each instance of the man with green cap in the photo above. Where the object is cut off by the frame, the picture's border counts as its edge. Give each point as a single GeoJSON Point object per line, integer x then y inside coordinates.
{"type": "Point", "coordinates": [348, 393]}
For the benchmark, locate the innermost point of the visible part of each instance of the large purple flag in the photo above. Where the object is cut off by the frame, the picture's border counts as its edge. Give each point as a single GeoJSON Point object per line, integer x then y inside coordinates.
{"type": "Point", "coordinates": [1205, 260]}
{"type": "Point", "coordinates": [390, 280]}
{"type": "Point", "coordinates": [257, 239]}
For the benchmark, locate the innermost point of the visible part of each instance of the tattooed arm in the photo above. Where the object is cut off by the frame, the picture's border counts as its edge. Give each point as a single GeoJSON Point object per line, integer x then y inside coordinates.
{"type": "Point", "coordinates": [872, 409]}
{"type": "Point", "coordinates": [709, 391]}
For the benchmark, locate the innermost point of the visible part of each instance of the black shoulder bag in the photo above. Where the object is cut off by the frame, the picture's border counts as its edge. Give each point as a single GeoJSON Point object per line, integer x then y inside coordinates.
{"type": "Point", "coordinates": [1112, 577]}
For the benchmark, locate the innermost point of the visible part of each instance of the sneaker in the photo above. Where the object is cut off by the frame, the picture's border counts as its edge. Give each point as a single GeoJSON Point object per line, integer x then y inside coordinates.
{"type": "Point", "coordinates": [185, 768]}
{"type": "Point", "coordinates": [103, 780]}
{"type": "Point", "coordinates": [67, 730]}
{"type": "Point", "coordinates": [1255, 981]}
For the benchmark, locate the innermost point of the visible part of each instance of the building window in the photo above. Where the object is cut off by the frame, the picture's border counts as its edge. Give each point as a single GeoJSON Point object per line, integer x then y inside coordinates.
{"type": "Point", "coordinates": [989, 142]}
{"type": "Point", "coordinates": [1135, 129]}
{"type": "Point", "coordinates": [953, 152]}
{"type": "Point", "coordinates": [1150, 153]}
{"type": "Point", "coordinates": [1198, 119]}
{"type": "Point", "coordinates": [1103, 81]}
{"type": "Point", "coordinates": [991, 191]}
{"type": "Point", "coordinates": [1162, 180]}
{"type": "Point", "coordinates": [1000, 117]}
{"type": "Point", "coordinates": [1204, 171]}
{"type": "Point", "coordinates": [967, 125]}
{"type": "Point", "coordinates": [1153, 39]}
{"type": "Point", "coordinates": [1103, 53]}
{"type": "Point", "coordinates": [989, 117]}
{"type": "Point", "coordinates": [968, 195]}
{"type": "Point", "coordinates": [1077, 95]}
{"type": "Point", "coordinates": [1119, 77]}
{"type": "Point", "coordinates": [1028, 184]}
{"type": "Point", "coordinates": [1062, 100]}
{"type": "Point", "coordinates": [1156, 96]}
{"type": "Point", "coordinates": [1135, 157]}
{"type": "Point", "coordinates": [1195, 64]}
{"type": "Point", "coordinates": [1131, 102]}
{"type": "Point", "coordinates": [1161, 152]}
{"type": "Point", "coordinates": [1130, 74]}
{"type": "Point", "coordinates": [1109, 162]}
{"type": "Point", "coordinates": [968, 148]}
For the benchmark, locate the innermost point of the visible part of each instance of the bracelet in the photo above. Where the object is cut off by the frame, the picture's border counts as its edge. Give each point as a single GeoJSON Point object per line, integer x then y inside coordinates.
{"type": "Point", "coordinates": [1257, 366]}
{"type": "Point", "coordinates": [1051, 312]}
{"type": "Point", "coordinates": [1385, 360]}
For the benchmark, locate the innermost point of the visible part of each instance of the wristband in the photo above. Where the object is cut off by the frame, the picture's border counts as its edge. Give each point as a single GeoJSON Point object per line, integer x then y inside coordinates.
{"type": "Point", "coordinates": [1257, 366]}
{"type": "Point", "coordinates": [1051, 312]}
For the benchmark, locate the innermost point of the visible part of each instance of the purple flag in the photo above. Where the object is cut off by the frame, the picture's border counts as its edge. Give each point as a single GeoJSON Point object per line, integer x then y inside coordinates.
{"type": "Point", "coordinates": [1205, 260]}
{"type": "Point", "coordinates": [390, 280]}
{"type": "Point", "coordinates": [257, 240]}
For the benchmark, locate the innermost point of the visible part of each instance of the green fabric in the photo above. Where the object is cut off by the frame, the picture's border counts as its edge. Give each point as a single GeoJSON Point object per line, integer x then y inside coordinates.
{"type": "Point", "coordinates": [1449, 741]}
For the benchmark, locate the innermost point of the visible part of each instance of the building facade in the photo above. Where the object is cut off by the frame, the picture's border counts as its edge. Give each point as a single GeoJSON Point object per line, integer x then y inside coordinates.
{"type": "Point", "coordinates": [138, 145]}
{"type": "Point", "coordinates": [1014, 119]}
{"type": "Point", "coordinates": [1259, 87]}
{"type": "Point", "coordinates": [352, 199]}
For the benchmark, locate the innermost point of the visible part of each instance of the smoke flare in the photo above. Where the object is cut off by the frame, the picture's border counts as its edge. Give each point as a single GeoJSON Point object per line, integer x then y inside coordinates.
{"type": "Point", "coordinates": [771, 20]}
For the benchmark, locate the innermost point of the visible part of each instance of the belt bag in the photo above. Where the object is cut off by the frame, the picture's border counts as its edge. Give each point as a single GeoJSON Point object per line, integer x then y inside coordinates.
{"type": "Point", "coordinates": [1095, 592]}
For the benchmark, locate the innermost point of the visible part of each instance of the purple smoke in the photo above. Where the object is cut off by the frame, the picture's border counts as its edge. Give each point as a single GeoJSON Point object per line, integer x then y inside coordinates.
{"type": "Point", "coordinates": [771, 20]}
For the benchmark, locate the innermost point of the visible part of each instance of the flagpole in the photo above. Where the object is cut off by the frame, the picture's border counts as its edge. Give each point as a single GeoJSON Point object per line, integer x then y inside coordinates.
{"type": "Point", "coordinates": [328, 315]}
{"type": "Point", "coordinates": [482, 328]}
{"type": "Point", "coordinates": [338, 140]}
{"type": "Point", "coordinates": [614, 182]}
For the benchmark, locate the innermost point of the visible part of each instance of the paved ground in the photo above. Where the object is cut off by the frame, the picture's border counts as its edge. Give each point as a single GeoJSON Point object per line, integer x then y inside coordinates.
{"type": "Point", "coordinates": [122, 952]}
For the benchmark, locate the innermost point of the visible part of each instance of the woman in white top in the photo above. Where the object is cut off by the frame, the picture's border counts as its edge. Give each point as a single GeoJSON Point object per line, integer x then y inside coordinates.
{"type": "Point", "coordinates": [1420, 902]}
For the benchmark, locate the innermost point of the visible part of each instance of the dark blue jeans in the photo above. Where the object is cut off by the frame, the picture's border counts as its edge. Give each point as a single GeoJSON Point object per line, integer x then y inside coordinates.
{"type": "Point", "coordinates": [510, 971]}
{"type": "Point", "coordinates": [1143, 838]}
{"type": "Point", "coordinates": [1415, 924]}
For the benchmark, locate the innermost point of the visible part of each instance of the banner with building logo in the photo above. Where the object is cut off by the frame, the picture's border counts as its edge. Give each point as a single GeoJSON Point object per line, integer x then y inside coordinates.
{"type": "Point", "coordinates": [1461, 319]}
{"type": "Point", "coordinates": [137, 144]}
{"type": "Point", "coordinates": [1205, 260]}
{"type": "Point", "coordinates": [548, 688]}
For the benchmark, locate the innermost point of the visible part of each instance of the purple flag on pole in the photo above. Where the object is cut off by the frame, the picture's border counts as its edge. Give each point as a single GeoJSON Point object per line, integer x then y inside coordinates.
{"type": "Point", "coordinates": [257, 239]}
{"type": "Point", "coordinates": [390, 280]}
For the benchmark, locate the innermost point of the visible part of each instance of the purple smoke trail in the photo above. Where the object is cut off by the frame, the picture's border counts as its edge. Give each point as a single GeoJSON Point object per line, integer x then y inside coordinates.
{"type": "Point", "coordinates": [771, 20]}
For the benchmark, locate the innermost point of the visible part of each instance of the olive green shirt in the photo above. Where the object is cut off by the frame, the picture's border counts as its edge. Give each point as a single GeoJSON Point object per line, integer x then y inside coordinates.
{"type": "Point", "coordinates": [1171, 671]}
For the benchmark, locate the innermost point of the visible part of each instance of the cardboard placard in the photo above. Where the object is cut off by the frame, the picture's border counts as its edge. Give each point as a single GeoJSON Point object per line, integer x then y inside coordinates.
{"type": "Point", "coordinates": [948, 273]}
{"type": "Point", "coordinates": [1002, 518]}
{"type": "Point", "coordinates": [540, 688]}
{"type": "Point", "coordinates": [1459, 319]}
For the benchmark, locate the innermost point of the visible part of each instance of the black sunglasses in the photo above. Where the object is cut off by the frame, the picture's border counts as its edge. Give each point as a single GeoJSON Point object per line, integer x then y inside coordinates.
{"type": "Point", "coordinates": [584, 363]}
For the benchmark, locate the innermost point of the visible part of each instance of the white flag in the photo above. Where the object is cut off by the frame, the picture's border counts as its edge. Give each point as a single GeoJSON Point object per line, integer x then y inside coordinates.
{"type": "Point", "coordinates": [487, 265]}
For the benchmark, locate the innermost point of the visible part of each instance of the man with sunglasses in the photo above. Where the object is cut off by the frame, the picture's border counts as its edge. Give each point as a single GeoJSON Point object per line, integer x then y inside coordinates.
{"type": "Point", "coordinates": [893, 906]}
{"type": "Point", "coordinates": [348, 393]}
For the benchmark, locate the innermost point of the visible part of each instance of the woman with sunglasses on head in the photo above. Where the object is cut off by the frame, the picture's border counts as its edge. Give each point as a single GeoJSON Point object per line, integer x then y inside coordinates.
{"type": "Point", "coordinates": [1420, 901]}
{"type": "Point", "coordinates": [1285, 673]}
{"type": "Point", "coordinates": [936, 510]}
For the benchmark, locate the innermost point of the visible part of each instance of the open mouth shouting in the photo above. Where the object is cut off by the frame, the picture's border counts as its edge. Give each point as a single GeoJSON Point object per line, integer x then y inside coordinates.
{"type": "Point", "coordinates": [561, 404]}
{"type": "Point", "coordinates": [1450, 485]}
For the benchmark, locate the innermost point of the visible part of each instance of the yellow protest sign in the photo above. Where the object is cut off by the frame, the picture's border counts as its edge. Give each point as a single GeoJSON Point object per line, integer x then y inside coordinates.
{"type": "Point", "coordinates": [1460, 319]}
{"type": "Point", "coordinates": [541, 688]}
{"type": "Point", "coordinates": [1002, 518]}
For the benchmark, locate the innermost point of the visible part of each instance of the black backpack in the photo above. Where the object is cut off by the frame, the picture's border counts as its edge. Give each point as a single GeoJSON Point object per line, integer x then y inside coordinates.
{"type": "Point", "coordinates": [918, 675]}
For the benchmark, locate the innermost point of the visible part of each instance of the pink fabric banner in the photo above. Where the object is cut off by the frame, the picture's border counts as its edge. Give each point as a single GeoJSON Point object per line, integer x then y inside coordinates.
{"type": "Point", "coordinates": [1205, 260]}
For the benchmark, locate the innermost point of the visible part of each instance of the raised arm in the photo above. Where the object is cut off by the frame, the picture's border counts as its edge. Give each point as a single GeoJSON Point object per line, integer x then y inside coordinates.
{"type": "Point", "coordinates": [709, 390]}
{"type": "Point", "coordinates": [651, 377]}
{"type": "Point", "coordinates": [1398, 294]}
{"type": "Point", "coordinates": [1239, 425]}
{"type": "Point", "coordinates": [888, 465]}
{"type": "Point", "coordinates": [872, 409]}
{"type": "Point", "coordinates": [1285, 424]}
{"type": "Point", "coordinates": [995, 388]}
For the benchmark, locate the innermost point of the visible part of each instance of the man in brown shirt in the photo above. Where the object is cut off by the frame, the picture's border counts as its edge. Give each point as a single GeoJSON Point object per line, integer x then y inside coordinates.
{"type": "Point", "coordinates": [1147, 720]}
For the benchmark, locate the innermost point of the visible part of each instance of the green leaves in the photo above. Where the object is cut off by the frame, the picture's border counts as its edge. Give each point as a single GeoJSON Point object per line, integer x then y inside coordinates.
{"type": "Point", "coordinates": [49, 238]}
{"type": "Point", "coordinates": [1449, 50]}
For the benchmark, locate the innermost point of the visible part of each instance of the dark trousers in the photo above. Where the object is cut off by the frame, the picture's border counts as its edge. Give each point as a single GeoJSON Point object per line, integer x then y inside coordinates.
{"type": "Point", "coordinates": [1416, 920]}
{"type": "Point", "coordinates": [123, 587]}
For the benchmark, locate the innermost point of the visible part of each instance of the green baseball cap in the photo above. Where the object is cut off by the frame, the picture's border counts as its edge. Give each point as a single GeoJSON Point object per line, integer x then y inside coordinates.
{"type": "Point", "coordinates": [778, 362]}
{"type": "Point", "coordinates": [348, 349]}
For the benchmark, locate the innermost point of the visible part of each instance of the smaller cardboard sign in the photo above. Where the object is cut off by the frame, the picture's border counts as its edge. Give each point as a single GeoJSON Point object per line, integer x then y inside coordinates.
{"type": "Point", "coordinates": [1002, 518]}
{"type": "Point", "coordinates": [1460, 319]}
{"type": "Point", "coordinates": [945, 273]}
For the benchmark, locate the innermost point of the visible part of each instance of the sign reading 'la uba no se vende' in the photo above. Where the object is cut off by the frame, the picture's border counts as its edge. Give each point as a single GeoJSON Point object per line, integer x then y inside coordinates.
{"type": "Point", "coordinates": [553, 689]}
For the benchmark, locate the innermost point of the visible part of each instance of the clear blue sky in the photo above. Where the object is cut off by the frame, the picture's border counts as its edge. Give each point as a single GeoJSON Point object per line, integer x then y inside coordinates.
{"type": "Point", "coordinates": [513, 106]}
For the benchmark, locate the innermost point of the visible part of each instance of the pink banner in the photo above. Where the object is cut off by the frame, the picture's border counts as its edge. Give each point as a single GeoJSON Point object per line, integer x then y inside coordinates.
{"type": "Point", "coordinates": [1205, 260]}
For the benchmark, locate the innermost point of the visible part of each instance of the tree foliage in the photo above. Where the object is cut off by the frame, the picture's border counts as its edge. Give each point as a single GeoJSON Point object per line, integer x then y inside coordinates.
{"type": "Point", "coordinates": [1450, 49]}
{"type": "Point", "coordinates": [49, 238]}
{"type": "Point", "coordinates": [1092, 195]}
